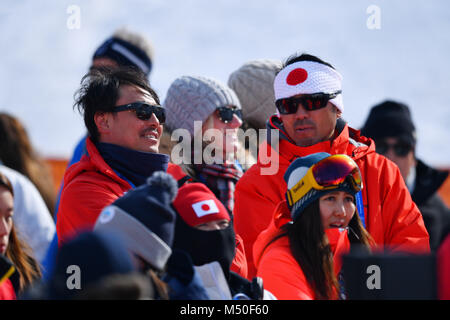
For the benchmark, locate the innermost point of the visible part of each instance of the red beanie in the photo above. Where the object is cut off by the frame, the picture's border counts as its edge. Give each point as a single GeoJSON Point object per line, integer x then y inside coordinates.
{"type": "Point", "coordinates": [196, 204]}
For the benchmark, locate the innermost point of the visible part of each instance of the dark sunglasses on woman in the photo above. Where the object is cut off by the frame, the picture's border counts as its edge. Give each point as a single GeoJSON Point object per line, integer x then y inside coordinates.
{"type": "Point", "coordinates": [226, 113]}
{"type": "Point", "coordinates": [310, 102]}
{"type": "Point", "coordinates": [144, 110]}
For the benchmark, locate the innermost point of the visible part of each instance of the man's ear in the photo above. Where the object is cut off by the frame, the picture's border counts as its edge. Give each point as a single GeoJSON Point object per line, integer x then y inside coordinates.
{"type": "Point", "coordinates": [338, 113]}
{"type": "Point", "coordinates": [102, 121]}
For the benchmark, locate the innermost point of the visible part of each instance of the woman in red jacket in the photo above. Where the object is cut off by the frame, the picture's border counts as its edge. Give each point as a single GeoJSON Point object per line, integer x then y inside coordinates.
{"type": "Point", "coordinates": [13, 249]}
{"type": "Point", "coordinates": [295, 256]}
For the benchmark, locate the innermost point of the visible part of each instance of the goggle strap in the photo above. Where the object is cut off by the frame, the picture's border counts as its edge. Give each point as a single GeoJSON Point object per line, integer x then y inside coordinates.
{"type": "Point", "coordinates": [304, 199]}
{"type": "Point", "coordinates": [302, 187]}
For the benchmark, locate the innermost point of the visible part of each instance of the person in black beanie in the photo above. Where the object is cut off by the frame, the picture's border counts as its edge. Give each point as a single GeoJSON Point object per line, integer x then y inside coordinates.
{"type": "Point", "coordinates": [144, 217]}
{"type": "Point", "coordinates": [390, 125]}
{"type": "Point", "coordinates": [125, 48]}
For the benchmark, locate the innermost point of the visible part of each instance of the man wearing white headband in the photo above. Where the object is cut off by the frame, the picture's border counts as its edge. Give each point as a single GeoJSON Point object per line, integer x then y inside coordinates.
{"type": "Point", "coordinates": [308, 97]}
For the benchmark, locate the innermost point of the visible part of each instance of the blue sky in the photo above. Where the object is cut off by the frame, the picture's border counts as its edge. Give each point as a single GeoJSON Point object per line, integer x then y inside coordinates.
{"type": "Point", "coordinates": [42, 60]}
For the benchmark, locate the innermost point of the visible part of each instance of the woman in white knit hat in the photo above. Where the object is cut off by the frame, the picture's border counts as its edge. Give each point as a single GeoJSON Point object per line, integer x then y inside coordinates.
{"type": "Point", "coordinates": [210, 114]}
{"type": "Point", "coordinates": [199, 105]}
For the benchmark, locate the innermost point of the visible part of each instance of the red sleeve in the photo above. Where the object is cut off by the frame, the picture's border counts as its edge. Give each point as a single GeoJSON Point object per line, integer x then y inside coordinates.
{"type": "Point", "coordinates": [80, 206]}
{"type": "Point", "coordinates": [7, 291]}
{"type": "Point", "coordinates": [176, 171]}
{"type": "Point", "coordinates": [239, 264]}
{"type": "Point", "coordinates": [283, 277]}
{"type": "Point", "coordinates": [403, 222]}
{"type": "Point", "coordinates": [443, 267]}
{"type": "Point", "coordinates": [252, 214]}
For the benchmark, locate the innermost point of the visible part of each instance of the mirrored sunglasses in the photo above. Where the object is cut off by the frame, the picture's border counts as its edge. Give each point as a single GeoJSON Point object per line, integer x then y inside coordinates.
{"type": "Point", "coordinates": [310, 102]}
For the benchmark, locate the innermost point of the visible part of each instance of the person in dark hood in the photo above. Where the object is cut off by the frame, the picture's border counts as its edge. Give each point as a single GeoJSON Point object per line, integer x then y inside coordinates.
{"type": "Point", "coordinates": [390, 125]}
{"type": "Point", "coordinates": [205, 231]}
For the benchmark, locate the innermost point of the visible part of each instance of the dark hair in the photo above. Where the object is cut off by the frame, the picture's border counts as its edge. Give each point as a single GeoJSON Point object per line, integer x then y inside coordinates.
{"type": "Point", "coordinates": [311, 249]}
{"type": "Point", "coordinates": [304, 57]}
{"type": "Point", "coordinates": [99, 92]}
{"type": "Point", "coordinates": [132, 286]}
{"type": "Point", "coordinates": [18, 251]}
{"type": "Point", "coordinates": [17, 152]}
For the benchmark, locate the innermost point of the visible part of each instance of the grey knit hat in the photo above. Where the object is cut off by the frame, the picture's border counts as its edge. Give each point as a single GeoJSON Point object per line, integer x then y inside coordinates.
{"type": "Point", "coordinates": [253, 84]}
{"type": "Point", "coordinates": [192, 99]}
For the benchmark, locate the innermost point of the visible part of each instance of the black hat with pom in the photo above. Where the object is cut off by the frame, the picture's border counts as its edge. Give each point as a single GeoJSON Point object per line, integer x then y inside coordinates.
{"type": "Point", "coordinates": [145, 219]}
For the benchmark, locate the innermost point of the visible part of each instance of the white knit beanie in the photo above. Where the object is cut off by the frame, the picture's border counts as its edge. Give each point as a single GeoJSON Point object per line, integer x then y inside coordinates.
{"type": "Point", "coordinates": [192, 99]}
{"type": "Point", "coordinates": [253, 84]}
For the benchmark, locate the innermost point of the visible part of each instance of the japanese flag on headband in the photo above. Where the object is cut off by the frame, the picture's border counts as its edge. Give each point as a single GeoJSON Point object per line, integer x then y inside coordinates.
{"type": "Point", "coordinates": [308, 77]}
{"type": "Point", "coordinates": [196, 204]}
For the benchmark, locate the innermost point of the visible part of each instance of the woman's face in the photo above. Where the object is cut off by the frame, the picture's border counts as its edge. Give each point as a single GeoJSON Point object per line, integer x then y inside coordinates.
{"type": "Point", "coordinates": [228, 141]}
{"type": "Point", "coordinates": [337, 209]}
{"type": "Point", "coordinates": [6, 213]}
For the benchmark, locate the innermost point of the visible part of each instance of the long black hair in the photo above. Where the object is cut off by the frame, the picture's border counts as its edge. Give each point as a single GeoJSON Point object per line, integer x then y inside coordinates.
{"type": "Point", "coordinates": [311, 249]}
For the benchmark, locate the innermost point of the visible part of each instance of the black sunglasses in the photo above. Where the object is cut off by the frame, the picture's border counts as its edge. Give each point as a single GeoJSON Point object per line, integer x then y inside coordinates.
{"type": "Point", "coordinates": [400, 148]}
{"type": "Point", "coordinates": [310, 102]}
{"type": "Point", "coordinates": [226, 113]}
{"type": "Point", "coordinates": [144, 110]}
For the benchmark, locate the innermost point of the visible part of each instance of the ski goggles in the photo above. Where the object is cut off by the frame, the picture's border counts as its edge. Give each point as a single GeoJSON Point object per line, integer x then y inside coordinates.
{"type": "Point", "coordinates": [333, 172]}
{"type": "Point", "coordinates": [144, 110]}
{"type": "Point", "coordinates": [401, 148]}
{"type": "Point", "coordinates": [310, 102]}
{"type": "Point", "coordinates": [226, 113]}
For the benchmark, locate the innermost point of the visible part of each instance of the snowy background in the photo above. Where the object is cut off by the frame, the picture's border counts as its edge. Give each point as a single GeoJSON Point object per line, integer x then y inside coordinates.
{"type": "Point", "coordinates": [42, 60]}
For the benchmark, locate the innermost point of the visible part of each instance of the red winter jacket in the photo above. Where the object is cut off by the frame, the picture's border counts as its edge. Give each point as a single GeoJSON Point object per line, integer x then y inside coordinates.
{"type": "Point", "coordinates": [281, 273]}
{"type": "Point", "coordinates": [391, 216]}
{"type": "Point", "coordinates": [7, 291]}
{"type": "Point", "coordinates": [443, 267]}
{"type": "Point", "coordinates": [89, 186]}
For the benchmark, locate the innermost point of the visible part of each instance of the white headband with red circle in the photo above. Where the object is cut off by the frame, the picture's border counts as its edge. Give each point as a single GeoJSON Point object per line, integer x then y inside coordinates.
{"type": "Point", "coordinates": [308, 77]}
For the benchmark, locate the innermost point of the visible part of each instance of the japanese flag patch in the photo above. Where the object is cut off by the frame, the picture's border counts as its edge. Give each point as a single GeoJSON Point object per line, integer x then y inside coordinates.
{"type": "Point", "coordinates": [205, 207]}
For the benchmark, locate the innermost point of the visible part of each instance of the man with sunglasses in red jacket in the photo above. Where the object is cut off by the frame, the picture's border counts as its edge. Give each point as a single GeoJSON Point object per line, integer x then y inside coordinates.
{"type": "Point", "coordinates": [124, 120]}
{"type": "Point", "coordinates": [308, 94]}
